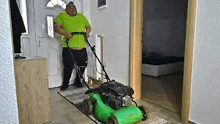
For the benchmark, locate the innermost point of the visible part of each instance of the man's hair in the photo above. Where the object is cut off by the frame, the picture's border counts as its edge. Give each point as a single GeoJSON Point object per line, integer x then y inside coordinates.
{"type": "Point", "coordinates": [70, 3]}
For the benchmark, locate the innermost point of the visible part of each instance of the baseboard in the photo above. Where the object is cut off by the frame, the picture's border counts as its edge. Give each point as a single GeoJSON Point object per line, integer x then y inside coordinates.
{"type": "Point", "coordinates": [192, 122]}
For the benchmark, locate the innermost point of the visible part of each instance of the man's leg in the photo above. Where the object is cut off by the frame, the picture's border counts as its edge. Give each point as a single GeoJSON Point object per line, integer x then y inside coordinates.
{"type": "Point", "coordinates": [77, 81]}
{"type": "Point", "coordinates": [68, 68]}
{"type": "Point", "coordinates": [81, 58]}
{"type": "Point", "coordinates": [67, 71]}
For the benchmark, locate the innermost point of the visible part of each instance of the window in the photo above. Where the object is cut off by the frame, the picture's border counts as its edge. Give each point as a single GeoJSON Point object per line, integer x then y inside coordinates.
{"type": "Point", "coordinates": [52, 3]}
{"type": "Point", "coordinates": [102, 4]}
{"type": "Point", "coordinates": [23, 9]}
{"type": "Point", "coordinates": [50, 27]}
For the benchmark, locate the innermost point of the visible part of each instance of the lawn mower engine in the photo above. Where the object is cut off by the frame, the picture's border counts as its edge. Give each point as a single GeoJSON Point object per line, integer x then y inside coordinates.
{"type": "Point", "coordinates": [116, 95]}
{"type": "Point", "coordinates": [112, 103]}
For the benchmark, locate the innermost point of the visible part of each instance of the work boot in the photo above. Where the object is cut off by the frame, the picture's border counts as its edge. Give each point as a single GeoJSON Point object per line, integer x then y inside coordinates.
{"type": "Point", "coordinates": [78, 85]}
{"type": "Point", "coordinates": [63, 87]}
{"type": "Point", "coordinates": [78, 80]}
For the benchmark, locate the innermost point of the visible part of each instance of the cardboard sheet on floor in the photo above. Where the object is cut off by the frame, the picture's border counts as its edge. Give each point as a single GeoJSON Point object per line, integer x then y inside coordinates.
{"type": "Point", "coordinates": [156, 120]}
{"type": "Point", "coordinates": [76, 96]}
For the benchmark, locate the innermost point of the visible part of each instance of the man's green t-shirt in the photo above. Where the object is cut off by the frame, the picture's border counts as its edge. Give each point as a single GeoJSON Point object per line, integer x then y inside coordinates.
{"type": "Point", "coordinates": [73, 24]}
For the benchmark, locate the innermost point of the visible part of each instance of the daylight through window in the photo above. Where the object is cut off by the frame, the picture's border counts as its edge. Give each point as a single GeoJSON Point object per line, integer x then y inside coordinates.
{"type": "Point", "coordinates": [50, 28]}
{"type": "Point", "coordinates": [23, 9]}
{"type": "Point", "coordinates": [52, 3]}
{"type": "Point", "coordinates": [101, 3]}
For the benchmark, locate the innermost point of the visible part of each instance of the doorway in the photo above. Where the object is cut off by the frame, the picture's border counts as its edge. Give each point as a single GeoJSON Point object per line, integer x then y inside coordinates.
{"type": "Point", "coordinates": [136, 43]}
{"type": "Point", "coordinates": [164, 27]}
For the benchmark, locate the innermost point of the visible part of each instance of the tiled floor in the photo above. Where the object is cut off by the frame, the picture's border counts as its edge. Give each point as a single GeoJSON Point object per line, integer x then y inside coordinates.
{"type": "Point", "coordinates": [63, 112]}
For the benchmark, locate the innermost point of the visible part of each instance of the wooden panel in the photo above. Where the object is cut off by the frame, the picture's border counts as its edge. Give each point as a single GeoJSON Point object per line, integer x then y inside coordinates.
{"type": "Point", "coordinates": [136, 22]}
{"type": "Point", "coordinates": [32, 91]}
{"type": "Point", "coordinates": [190, 31]}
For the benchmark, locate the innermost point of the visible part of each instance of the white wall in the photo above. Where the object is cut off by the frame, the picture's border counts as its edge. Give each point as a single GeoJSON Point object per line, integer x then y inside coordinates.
{"type": "Point", "coordinates": [164, 27]}
{"type": "Point", "coordinates": [205, 96]}
{"type": "Point", "coordinates": [113, 23]}
{"type": "Point", "coordinates": [8, 100]}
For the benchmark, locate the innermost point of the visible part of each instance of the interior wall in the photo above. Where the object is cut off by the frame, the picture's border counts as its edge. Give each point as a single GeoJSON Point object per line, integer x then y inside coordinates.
{"type": "Point", "coordinates": [113, 23]}
{"type": "Point", "coordinates": [8, 100]}
{"type": "Point", "coordinates": [164, 27]}
{"type": "Point", "coordinates": [205, 88]}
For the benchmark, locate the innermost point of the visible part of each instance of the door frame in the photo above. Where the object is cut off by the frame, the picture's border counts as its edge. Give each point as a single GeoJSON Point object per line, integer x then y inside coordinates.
{"type": "Point", "coordinates": [135, 54]}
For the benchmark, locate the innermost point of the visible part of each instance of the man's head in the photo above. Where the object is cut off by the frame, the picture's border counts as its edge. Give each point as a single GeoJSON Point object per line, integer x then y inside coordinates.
{"type": "Point", "coordinates": [71, 9]}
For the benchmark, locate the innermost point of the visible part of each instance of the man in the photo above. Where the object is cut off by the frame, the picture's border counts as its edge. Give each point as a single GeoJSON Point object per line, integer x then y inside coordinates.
{"type": "Point", "coordinates": [66, 23]}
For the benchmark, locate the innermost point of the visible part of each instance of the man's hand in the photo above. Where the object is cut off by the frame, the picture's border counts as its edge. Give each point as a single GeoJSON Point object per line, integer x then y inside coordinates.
{"type": "Point", "coordinates": [59, 30]}
{"type": "Point", "coordinates": [87, 35]}
{"type": "Point", "coordinates": [88, 30]}
{"type": "Point", "coordinates": [68, 35]}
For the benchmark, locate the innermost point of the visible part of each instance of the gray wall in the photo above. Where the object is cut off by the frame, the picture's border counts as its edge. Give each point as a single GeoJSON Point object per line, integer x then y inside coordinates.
{"type": "Point", "coordinates": [164, 27]}
{"type": "Point", "coordinates": [8, 101]}
{"type": "Point", "coordinates": [205, 95]}
{"type": "Point", "coordinates": [113, 23]}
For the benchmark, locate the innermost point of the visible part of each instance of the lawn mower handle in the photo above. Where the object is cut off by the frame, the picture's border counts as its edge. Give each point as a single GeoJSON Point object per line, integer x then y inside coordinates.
{"type": "Point", "coordinates": [93, 50]}
{"type": "Point", "coordinates": [76, 66]}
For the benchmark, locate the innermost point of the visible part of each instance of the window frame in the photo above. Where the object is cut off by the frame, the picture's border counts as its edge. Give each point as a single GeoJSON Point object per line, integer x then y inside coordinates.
{"type": "Point", "coordinates": [102, 6]}
{"type": "Point", "coordinates": [51, 24]}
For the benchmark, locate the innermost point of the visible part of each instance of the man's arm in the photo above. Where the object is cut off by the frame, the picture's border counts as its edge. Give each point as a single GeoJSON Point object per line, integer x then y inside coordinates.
{"type": "Point", "coordinates": [58, 29]}
{"type": "Point", "coordinates": [88, 30]}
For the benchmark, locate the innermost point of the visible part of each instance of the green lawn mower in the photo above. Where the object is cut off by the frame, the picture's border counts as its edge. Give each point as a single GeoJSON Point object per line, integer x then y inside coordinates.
{"type": "Point", "coordinates": [111, 102]}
